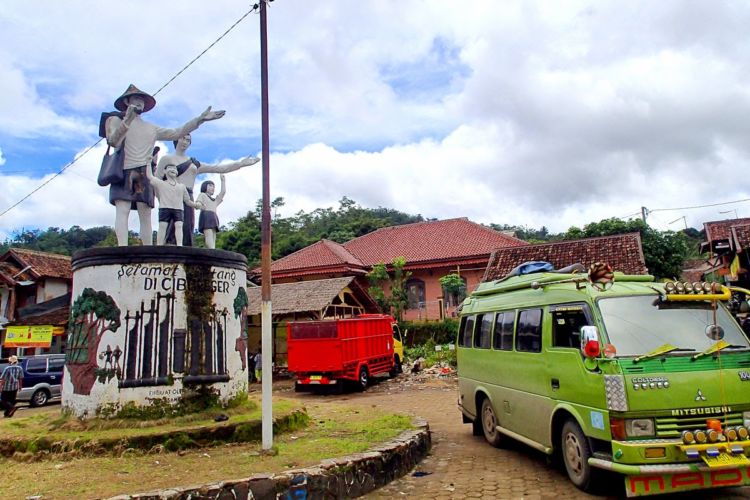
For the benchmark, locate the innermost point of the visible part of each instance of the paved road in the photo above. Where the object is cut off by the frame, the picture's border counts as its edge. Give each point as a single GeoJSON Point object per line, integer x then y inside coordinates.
{"type": "Point", "coordinates": [464, 466]}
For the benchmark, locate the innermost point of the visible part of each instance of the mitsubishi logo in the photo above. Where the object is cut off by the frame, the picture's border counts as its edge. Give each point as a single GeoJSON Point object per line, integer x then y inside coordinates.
{"type": "Point", "coordinates": [700, 396]}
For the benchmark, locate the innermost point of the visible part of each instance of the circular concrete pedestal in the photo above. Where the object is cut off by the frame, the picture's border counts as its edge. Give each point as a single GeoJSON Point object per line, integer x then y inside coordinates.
{"type": "Point", "coordinates": [148, 322]}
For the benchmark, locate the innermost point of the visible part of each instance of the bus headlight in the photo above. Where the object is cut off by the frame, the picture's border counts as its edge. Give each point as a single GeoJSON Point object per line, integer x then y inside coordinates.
{"type": "Point", "coordinates": [639, 427]}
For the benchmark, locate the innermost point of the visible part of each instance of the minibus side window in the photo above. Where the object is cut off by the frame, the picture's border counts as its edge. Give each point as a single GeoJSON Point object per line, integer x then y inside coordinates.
{"type": "Point", "coordinates": [467, 328]}
{"type": "Point", "coordinates": [529, 332]}
{"type": "Point", "coordinates": [566, 325]}
{"type": "Point", "coordinates": [484, 333]}
{"type": "Point", "coordinates": [504, 330]}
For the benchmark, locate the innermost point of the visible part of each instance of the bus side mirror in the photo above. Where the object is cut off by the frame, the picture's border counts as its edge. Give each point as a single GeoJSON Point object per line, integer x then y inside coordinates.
{"type": "Point", "coordinates": [590, 341]}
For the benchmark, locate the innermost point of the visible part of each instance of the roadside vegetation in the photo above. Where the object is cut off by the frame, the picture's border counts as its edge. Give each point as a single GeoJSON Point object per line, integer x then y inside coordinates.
{"type": "Point", "coordinates": [334, 430]}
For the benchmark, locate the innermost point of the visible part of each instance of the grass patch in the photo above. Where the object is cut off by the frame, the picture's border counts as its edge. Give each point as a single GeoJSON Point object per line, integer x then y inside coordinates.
{"type": "Point", "coordinates": [334, 430]}
{"type": "Point", "coordinates": [48, 431]}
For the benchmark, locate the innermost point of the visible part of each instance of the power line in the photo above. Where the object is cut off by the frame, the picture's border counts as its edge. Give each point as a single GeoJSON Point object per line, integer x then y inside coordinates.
{"type": "Point", "coordinates": [698, 206]}
{"type": "Point", "coordinates": [71, 163]}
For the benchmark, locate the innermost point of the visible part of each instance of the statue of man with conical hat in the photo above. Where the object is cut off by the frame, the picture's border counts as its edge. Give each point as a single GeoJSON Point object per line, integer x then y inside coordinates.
{"type": "Point", "coordinates": [137, 137]}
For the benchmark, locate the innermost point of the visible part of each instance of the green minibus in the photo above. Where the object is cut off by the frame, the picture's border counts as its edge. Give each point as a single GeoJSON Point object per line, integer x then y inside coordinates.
{"type": "Point", "coordinates": [648, 380]}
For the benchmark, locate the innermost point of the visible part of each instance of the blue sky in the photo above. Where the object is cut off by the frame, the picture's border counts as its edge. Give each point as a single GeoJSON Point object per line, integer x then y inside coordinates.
{"type": "Point", "coordinates": [527, 113]}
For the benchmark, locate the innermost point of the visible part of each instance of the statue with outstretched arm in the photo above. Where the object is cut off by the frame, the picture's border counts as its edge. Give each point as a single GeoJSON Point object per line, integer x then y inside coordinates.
{"type": "Point", "coordinates": [137, 137]}
{"type": "Point", "coordinates": [188, 169]}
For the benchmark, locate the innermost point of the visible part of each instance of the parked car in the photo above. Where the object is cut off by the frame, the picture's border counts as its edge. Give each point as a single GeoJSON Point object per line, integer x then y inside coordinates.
{"type": "Point", "coordinates": [42, 378]}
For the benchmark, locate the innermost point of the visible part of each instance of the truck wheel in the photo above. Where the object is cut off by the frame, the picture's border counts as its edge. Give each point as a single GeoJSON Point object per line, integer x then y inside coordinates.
{"type": "Point", "coordinates": [363, 378]}
{"type": "Point", "coordinates": [575, 454]}
{"type": "Point", "coordinates": [397, 368]}
{"type": "Point", "coordinates": [489, 424]}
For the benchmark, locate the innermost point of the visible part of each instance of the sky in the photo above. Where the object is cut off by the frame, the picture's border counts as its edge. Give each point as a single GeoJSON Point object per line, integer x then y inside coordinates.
{"type": "Point", "coordinates": [526, 113]}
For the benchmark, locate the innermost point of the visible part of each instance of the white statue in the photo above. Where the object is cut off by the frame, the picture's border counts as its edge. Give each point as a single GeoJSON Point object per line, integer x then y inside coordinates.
{"type": "Point", "coordinates": [171, 195]}
{"type": "Point", "coordinates": [208, 222]}
{"type": "Point", "coordinates": [187, 170]}
{"type": "Point", "coordinates": [137, 137]}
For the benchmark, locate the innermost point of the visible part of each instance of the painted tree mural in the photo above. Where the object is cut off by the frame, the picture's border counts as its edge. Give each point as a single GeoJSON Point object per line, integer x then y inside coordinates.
{"type": "Point", "coordinates": [92, 314]}
{"type": "Point", "coordinates": [240, 310]}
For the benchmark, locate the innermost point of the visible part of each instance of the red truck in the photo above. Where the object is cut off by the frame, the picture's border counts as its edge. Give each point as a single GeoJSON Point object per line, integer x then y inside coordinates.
{"type": "Point", "coordinates": [323, 353]}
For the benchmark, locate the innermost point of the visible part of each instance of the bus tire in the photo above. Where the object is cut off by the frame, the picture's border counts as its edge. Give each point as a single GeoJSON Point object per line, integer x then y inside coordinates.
{"type": "Point", "coordinates": [576, 451]}
{"type": "Point", "coordinates": [489, 424]}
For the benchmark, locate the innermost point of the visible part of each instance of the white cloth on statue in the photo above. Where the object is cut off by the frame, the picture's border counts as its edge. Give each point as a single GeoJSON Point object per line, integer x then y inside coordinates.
{"type": "Point", "coordinates": [140, 138]}
{"type": "Point", "coordinates": [170, 195]}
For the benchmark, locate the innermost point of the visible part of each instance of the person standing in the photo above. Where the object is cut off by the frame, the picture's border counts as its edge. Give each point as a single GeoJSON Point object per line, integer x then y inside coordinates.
{"type": "Point", "coordinates": [11, 381]}
{"type": "Point", "coordinates": [136, 136]}
{"type": "Point", "coordinates": [208, 222]}
{"type": "Point", "coordinates": [171, 195]}
{"type": "Point", "coordinates": [188, 169]}
{"type": "Point", "coordinates": [258, 366]}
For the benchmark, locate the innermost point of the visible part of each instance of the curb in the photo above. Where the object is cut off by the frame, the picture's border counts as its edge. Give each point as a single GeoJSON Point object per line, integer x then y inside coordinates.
{"type": "Point", "coordinates": [345, 477]}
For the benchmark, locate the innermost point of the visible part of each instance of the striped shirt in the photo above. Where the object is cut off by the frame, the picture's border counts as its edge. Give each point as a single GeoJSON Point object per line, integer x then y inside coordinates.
{"type": "Point", "coordinates": [11, 378]}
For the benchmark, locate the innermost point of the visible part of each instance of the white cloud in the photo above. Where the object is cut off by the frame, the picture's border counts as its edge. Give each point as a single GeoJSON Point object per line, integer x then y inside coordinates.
{"type": "Point", "coordinates": [529, 113]}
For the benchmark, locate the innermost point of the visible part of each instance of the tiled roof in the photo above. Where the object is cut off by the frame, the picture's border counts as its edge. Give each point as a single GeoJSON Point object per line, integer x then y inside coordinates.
{"type": "Point", "coordinates": [43, 264]}
{"type": "Point", "coordinates": [301, 296]}
{"type": "Point", "coordinates": [623, 252]}
{"type": "Point", "coordinates": [722, 229]}
{"type": "Point", "coordinates": [323, 253]}
{"type": "Point", "coordinates": [52, 312]}
{"type": "Point", "coordinates": [428, 241]}
{"type": "Point", "coordinates": [741, 237]}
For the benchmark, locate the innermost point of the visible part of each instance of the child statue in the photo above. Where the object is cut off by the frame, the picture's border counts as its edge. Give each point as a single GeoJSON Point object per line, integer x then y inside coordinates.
{"type": "Point", "coordinates": [208, 222]}
{"type": "Point", "coordinates": [171, 195]}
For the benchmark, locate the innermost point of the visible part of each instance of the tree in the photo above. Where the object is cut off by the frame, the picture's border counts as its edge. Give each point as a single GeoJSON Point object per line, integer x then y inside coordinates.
{"type": "Point", "coordinates": [395, 280]}
{"type": "Point", "coordinates": [453, 286]}
{"type": "Point", "coordinates": [92, 314]}
{"type": "Point", "coordinates": [664, 251]}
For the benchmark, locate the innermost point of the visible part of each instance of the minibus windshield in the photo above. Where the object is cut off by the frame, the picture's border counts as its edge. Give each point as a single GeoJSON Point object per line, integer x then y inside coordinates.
{"type": "Point", "coordinates": [638, 325]}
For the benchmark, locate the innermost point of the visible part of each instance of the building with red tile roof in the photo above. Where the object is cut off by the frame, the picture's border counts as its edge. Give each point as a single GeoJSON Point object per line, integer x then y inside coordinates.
{"type": "Point", "coordinates": [432, 249]}
{"type": "Point", "coordinates": [34, 292]}
{"type": "Point", "coordinates": [727, 243]}
{"type": "Point", "coordinates": [622, 251]}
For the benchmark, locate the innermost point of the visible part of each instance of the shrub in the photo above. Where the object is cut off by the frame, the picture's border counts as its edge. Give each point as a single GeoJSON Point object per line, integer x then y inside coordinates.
{"type": "Point", "coordinates": [439, 332]}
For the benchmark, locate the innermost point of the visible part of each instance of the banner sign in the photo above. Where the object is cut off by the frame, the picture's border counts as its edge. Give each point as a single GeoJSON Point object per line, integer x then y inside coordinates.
{"type": "Point", "coordinates": [29, 336]}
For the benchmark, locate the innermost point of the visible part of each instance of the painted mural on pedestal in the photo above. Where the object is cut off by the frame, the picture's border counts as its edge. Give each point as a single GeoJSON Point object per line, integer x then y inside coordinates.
{"type": "Point", "coordinates": [155, 325]}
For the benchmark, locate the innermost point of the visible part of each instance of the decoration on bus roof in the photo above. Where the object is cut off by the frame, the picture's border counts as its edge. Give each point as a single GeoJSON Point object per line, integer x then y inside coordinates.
{"type": "Point", "coordinates": [601, 275]}
{"type": "Point", "coordinates": [698, 290]}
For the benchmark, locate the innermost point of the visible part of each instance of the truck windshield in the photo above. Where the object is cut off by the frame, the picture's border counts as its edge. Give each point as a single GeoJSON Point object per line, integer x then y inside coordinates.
{"type": "Point", "coordinates": [638, 325]}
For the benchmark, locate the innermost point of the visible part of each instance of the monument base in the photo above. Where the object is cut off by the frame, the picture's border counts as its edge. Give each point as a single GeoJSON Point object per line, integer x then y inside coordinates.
{"type": "Point", "coordinates": [147, 323]}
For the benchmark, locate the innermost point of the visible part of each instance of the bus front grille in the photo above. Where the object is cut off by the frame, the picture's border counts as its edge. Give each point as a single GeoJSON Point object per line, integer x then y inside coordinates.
{"type": "Point", "coordinates": [672, 427]}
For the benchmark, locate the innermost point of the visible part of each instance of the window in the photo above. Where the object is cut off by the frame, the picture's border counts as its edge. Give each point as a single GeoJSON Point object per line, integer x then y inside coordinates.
{"type": "Point", "coordinates": [484, 336]}
{"type": "Point", "coordinates": [453, 298]}
{"type": "Point", "coordinates": [566, 324]}
{"type": "Point", "coordinates": [36, 365]}
{"type": "Point", "coordinates": [529, 334]}
{"type": "Point", "coordinates": [467, 328]}
{"type": "Point", "coordinates": [415, 294]}
{"type": "Point", "coordinates": [504, 330]}
{"type": "Point", "coordinates": [56, 364]}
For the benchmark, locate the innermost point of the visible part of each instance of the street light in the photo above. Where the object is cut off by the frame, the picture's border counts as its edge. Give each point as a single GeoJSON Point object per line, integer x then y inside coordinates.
{"type": "Point", "coordinates": [730, 211]}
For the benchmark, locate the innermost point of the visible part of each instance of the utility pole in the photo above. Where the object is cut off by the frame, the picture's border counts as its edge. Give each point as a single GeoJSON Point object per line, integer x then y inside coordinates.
{"type": "Point", "coordinates": [265, 246]}
{"type": "Point", "coordinates": [644, 213]}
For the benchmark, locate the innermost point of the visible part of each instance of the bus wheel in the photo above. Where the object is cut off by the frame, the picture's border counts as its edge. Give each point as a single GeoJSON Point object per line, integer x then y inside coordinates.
{"type": "Point", "coordinates": [575, 454]}
{"type": "Point", "coordinates": [489, 424]}
{"type": "Point", "coordinates": [363, 378]}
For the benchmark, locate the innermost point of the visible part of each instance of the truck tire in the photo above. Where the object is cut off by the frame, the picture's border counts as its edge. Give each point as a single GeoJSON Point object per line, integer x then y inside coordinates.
{"type": "Point", "coordinates": [397, 368]}
{"type": "Point", "coordinates": [363, 378]}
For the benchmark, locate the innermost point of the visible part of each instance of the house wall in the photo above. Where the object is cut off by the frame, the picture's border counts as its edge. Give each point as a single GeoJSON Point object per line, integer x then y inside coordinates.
{"type": "Point", "coordinates": [434, 292]}
{"type": "Point", "coordinates": [51, 288]}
